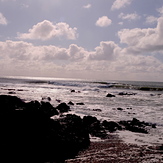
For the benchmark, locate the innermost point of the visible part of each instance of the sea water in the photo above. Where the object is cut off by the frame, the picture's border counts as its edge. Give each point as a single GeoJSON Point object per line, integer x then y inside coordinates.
{"type": "Point", "coordinates": [141, 100]}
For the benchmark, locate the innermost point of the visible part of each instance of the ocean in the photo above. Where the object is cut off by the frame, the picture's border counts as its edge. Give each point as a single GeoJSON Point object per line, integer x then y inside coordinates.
{"type": "Point", "coordinates": [136, 99]}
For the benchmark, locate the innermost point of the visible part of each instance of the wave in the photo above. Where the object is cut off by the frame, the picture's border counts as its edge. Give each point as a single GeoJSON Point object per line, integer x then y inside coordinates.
{"type": "Point", "coordinates": [142, 86]}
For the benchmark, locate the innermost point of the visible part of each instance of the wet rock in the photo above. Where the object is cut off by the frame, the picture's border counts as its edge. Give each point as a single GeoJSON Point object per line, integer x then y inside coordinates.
{"type": "Point", "coordinates": [119, 109]}
{"type": "Point", "coordinates": [63, 107]}
{"type": "Point", "coordinates": [111, 126]}
{"type": "Point", "coordinates": [98, 110]}
{"type": "Point", "coordinates": [46, 99]}
{"type": "Point", "coordinates": [110, 95]}
{"type": "Point", "coordinates": [70, 103]}
{"type": "Point", "coordinates": [58, 100]}
{"type": "Point", "coordinates": [80, 103]}
{"type": "Point", "coordinates": [33, 105]}
{"type": "Point", "coordinates": [88, 120]}
{"type": "Point", "coordinates": [69, 138]}
{"type": "Point", "coordinates": [30, 135]}
{"type": "Point", "coordinates": [48, 109]}
{"type": "Point", "coordinates": [10, 103]}
{"type": "Point", "coordinates": [94, 127]}
{"type": "Point", "coordinates": [129, 108]}
{"type": "Point", "coordinates": [136, 126]}
{"type": "Point", "coordinates": [11, 92]}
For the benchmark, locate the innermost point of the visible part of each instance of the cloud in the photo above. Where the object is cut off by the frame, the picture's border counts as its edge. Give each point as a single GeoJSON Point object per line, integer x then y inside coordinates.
{"type": "Point", "coordinates": [3, 20]}
{"type": "Point", "coordinates": [87, 6]}
{"type": "Point", "coordinates": [46, 30]}
{"type": "Point", "coordinates": [120, 4]}
{"type": "Point", "coordinates": [103, 21]}
{"type": "Point", "coordinates": [151, 19]}
{"type": "Point", "coordinates": [107, 50]}
{"type": "Point", "coordinates": [147, 39]}
{"type": "Point", "coordinates": [132, 16]}
{"type": "Point", "coordinates": [107, 60]}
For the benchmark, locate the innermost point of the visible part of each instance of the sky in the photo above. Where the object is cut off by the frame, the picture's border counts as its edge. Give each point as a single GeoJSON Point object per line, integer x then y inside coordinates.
{"type": "Point", "coordinates": [86, 39]}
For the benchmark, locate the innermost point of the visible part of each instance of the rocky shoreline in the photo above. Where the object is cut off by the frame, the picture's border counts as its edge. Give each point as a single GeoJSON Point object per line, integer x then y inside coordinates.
{"type": "Point", "coordinates": [30, 134]}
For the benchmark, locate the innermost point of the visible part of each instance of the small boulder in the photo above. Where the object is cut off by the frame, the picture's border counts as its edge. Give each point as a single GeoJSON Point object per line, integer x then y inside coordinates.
{"type": "Point", "coordinates": [119, 109]}
{"type": "Point", "coordinates": [48, 109]}
{"type": "Point", "coordinates": [70, 103]}
{"type": "Point", "coordinates": [98, 110]}
{"type": "Point", "coordinates": [110, 95]}
{"type": "Point", "coordinates": [111, 126]}
{"type": "Point", "coordinates": [80, 103]}
{"type": "Point", "coordinates": [63, 107]}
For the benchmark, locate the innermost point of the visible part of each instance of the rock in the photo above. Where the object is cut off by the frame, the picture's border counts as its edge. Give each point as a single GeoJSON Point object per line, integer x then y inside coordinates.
{"type": "Point", "coordinates": [129, 108]}
{"type": "Point", "coordinates": [110, 95]}
{"type": "Point", "coordinates": [70, 103]}
{"type": "Point", "coordinates": [88, 120]}
{"type": "Point", "coordinates": [28, 134]}
{"type": "Point", "coordinates": [33, 105]}
{"type": "Point", "coordinates": [69, 138]}
{"type": "Point", "coordinates": [80, 103]}
{"type": "Point", "coordinates": [46, 99]}
{"type": "Point", "coordinates": [119, 109]}
{"type": "Point", "coordinates": [94, 127]}
{"type": "Point", "coordinates": [11, 92]}
{"type": "Point", "coordinates": [136, 126]}
{"type": "Point", "coordinates": [48, 109]}
{"type": "Point", "coordinates": [98, 110]}
{"type": "Point", "coordinates": [58, 100]}
{"type": "Point", "coordinates": [72, 90]}
{"type": "Point", "coordinates": [10, 103]}
{"type": "Point", "coordinates": [111, 126]}
{"type": "Point", "coordinates": [63, 107]}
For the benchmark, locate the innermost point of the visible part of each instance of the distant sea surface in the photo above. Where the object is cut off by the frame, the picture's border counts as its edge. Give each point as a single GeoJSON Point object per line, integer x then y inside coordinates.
{"type": "Point", "coordinates": [141, 100]}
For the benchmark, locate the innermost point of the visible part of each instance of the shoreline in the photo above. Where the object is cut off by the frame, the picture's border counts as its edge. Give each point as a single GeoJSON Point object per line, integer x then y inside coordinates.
{"type": "Point", "coordinates": [115, 150]}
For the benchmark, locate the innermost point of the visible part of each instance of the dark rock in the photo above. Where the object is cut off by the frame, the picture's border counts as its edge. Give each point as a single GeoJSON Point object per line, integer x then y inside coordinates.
{"type": "Point", "coordinates": [111, 126]}
{"type": "Point", "coordinates": [80, 103]}
{"type": "Point", "coordinates": [29, 135]}
{"type": "Point", "coordinates": [33, 105]}
{"type": "Point", "coordinates": [110, 95]}
{"type": "Point", "coordinates": [119, 109]}
{"type": "Point", "coordinates": [88, 120]}
{"type": "Point", "coordinates": [136, 126]}
{"type": "Point", "coordinates": [10, 103]}
{"type": "Point", "coordinates": [70, 103]}
{"type": "Point", "coordinates": [63, 107]}
{"type": "Point", "coordinates": [58, 100]}
{"type": "Point", "coordinates": [94, 127]}
{"type": "Point", "coordinates": [11, 92]}
{"type": "Point", "coordinates": [48, 109]}
{"type": "Point", "coordinates": [68, 136]}
{"type": "Point", "coordinates": [129, 108]}
{"type": "Point", "coordinates": [72, 90]}
{"type": "Point", "coordinates": [98, 110]}
{"type": "Point", "coordinates": [46, 98]}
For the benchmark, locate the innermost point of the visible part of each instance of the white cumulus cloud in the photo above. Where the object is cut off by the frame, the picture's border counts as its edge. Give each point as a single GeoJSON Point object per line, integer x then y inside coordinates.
{"type": "Point", "coordinates": [103, 21]}
{"type": "Point", "coordinates": [46, 30]}
{"type": "Point", "coordinates": [120, 4]}
{"type": "Point", "coordinates": [147, 39]}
